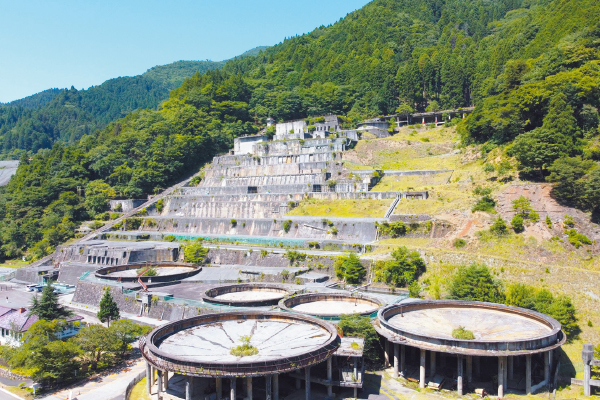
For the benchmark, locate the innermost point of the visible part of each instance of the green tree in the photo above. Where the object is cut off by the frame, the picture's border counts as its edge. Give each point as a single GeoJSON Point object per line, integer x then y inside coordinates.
{"type": "Point", "coordinates": [48, 307]}
{"type": "Point", "coordinates": [405, 267]}
{"type": "Point", "coordinates": [499, 227]}
{"type": "Point", "coordinates": [538, 149]}
{"type": "Point", "coordinates": [476, 283]}
{"type": "Point", "coordinates": [55, 362]}
{"type": "Point", "coordinates": [93, 340]}
{"type": "Point", "coordinates": [195, 253]}
{"type": "Point", "coordinates": [404, 108]}
{"type": "Point", "coordinates": [123, 333]}
{"type": "Point", "coordinates": [517, 223]}
{"type": "Point", "coordinates": [520, 295]}
{"type": "Point", "coordinates": [359, 326]}
{"type": "Point", "coordinates": [414, 290]}
{"type": "Point", "coordinates": [97, 194]}
{"type": "Point", "coordinates": [566, 174]}
{"type": "Point", "coordinates": [349, 268]}
{"type": "Point", "coordinates": [109, 310]}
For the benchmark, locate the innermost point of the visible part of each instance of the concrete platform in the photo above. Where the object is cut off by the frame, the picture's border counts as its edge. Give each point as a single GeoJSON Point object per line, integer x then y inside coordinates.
{"type": "Point", "coordinates": [273, 339]}
{"type": "Point", "coordinates": [486, 324]}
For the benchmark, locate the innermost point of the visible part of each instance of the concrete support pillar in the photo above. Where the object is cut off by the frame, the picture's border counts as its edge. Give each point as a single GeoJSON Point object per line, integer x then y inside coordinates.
{"type": "Point", "coordinates": [249, 388]}
{"type": "Point", "coordinates": [511, 368]}
{"type": "Point", "coordinates": [402, 359]}
{"type": "Point", "coordinates": [307, 382]}
{"type": "Point", "coordinates": [501, 362]}
{"type": "Point", "coordinates": [587, 356]}
{"type": "Point", "coordinates": [396, 361]}
{"type": "Point", "coordinates": [469, 369]}
{"type": "Point", "coordinates": [166, 380]}
{"type": "Point", "coordinates": [268, 388]}
{"type": "Point", "coordinates": [432, 364]}
{"type": "Point", "coordinates": [505, 374]}
{"type": "Point", "coordinates": [386, 352]}
{"type": "Point", "coordinates": [330, 376]}
{"type": "Point", "coordinates": [528, 373]}
{"type": "Point", "coordinates": [546, 367]}
{"type": "Point", "coordinates": [355, 393]}
{"type": "Point", "coordinates": [276, 387]}
{"type": "Point", "coordinates": [423, 359]}
{"type": "Point", "coordinates": [232, 393]}
{"type": "Point", "coordinates": [188, 387]}
{"type": "Point", "coordinates": [148, 378]}
{"type": "Point", "coordinates": [356, 368]}
{"type": "Point", "coordinates": [160, 382]}
{"type": "Point", "coordinates": [152, 375]}
{"type": "Point", "coordinates": [459, 376]}
{"type": "Point", "coordinates": [219, 388]}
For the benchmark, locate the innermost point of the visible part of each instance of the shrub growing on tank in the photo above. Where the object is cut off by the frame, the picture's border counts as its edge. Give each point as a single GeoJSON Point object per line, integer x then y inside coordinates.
{"type": "Point", "coordinates": [359, 326]}
{"type": "Point", "coordinates": [462, 333]}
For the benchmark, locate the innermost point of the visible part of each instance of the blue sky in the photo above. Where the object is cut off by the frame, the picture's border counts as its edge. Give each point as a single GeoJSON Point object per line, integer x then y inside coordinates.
{"type": "Point", "coordinates": [59, 43]}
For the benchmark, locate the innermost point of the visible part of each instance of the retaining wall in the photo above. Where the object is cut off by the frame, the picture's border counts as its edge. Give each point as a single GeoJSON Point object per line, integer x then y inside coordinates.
{"type": "Point", "coordinates": [355, 231]}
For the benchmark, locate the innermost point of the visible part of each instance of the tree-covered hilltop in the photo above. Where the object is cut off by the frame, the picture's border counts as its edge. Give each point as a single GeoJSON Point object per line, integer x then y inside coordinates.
{"type": "Point", "coordinates": [140, 154]}
{"type": "Point", "coordinates": [38, 121]}
{"type": "Point", "coordinates": [529, 66]}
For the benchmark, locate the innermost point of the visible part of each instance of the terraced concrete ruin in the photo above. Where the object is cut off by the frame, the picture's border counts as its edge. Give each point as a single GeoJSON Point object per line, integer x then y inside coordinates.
{"type": "Point", "coordinates": [239, 206]}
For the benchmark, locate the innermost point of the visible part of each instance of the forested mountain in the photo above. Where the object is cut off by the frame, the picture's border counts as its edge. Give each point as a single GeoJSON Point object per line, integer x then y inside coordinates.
{"type": "Point", "coordinates": [36, 100]}
{"type": "Point", "coordinates": [38, 121]}
{"type": "Point", "coordinates": [529, 66]}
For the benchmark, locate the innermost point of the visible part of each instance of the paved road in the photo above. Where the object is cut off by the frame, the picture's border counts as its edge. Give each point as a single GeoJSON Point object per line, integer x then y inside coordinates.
{"type": "Point", "coordinates": [109, 386]}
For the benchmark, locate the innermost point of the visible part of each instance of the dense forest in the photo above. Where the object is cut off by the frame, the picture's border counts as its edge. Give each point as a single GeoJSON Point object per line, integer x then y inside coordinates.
{"type": "Point", "coordinates": [54, 115]}
{"type": "Point", "coordinates": [529, 66]}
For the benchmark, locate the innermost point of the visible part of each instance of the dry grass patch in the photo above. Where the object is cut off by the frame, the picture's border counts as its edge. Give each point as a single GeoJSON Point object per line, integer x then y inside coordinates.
{"type": "Point", "coordinates": [139, 391]}
{"type": "Point", "coordinates": [342, 208]}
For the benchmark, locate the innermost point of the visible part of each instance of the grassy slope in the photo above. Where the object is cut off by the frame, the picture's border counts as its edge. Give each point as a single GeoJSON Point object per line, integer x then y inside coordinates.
{"type": "Point", "coordinates": [516, 258]}
{"type": "Point", "coordinates": [342, 208]}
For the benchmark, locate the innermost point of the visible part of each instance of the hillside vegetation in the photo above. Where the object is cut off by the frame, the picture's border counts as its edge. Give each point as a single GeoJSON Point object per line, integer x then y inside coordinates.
{"type": "Point", "coordinates": [392, 55]}
{"type": "Point", "coordinates": [54, 115]}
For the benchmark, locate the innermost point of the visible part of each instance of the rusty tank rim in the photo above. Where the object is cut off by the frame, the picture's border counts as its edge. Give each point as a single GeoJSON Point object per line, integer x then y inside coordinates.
{"type": "Point", "coordinates": [553, 339]}
{"type": "Point", "coordinates": [179, 364]}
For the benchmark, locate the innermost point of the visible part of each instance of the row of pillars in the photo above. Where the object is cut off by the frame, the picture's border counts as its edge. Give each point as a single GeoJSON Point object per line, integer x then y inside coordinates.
{"type": "Point", "coordinates": [271, 383]}
{"type": "Point", "coordinates": [505, 367]}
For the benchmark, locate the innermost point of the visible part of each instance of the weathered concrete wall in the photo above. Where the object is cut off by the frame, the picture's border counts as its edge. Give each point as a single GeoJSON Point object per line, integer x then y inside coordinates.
{"type": "Point", "coordinates": [91, 293]}
{"type": "Point", "coordinates": [259, 259]}
{"type": "Point", "coordinates": [353, 230]}
{"type": "Point", "coordinates": [284, 128]}
{"type": "Point", "coordinates": [126, 205]}
{"type": "Point", "coordinates": [116, 253]}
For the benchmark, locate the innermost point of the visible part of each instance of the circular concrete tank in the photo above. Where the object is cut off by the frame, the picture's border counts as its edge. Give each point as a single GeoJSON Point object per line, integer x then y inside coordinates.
{"type": "Point", "coordinates": [165, 272]}
{"type": "Point", "coordinates": [246, 294]}
{"type": "Point", "coordinates": [201, 346]}
{"type": "Point", "coordinates": [498, 329]}
{"type": "Point", "coordinates": [330, 305]}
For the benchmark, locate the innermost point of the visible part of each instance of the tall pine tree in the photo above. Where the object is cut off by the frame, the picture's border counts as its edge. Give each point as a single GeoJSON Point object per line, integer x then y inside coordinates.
{"type": "Point", "coordinates": [109, 310]}
{"type": "Point", "coordinates": [48, 308]}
